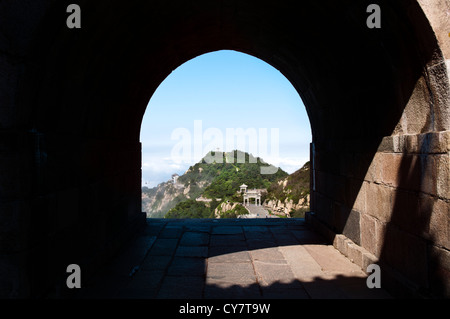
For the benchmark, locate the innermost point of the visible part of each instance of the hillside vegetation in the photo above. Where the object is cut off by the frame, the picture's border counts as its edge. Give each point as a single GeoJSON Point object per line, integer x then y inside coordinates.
{"type": "Point", "coordinates": [207, 184]}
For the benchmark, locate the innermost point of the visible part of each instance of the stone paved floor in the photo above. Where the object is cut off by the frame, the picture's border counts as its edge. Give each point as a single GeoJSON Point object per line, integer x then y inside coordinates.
{"type": "Point", "coordinates": [230, 259]}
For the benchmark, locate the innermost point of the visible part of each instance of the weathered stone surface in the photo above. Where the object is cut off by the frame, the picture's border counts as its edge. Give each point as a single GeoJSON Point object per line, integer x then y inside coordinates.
{"type": "Point", "coordinates": [303, 265]}
{"type": "Point", "coordinates": [359, 203]}
{"type": "Point", "coordinates": [339, 244]}
{"type": "Point", "coordinates": [440, 271]}
{"type": "Point", "coordinates": [156, 263]}
{"type": "Point", "coordinates": [379, 202]}
{"type": "Point", "coordinates": [331, 261]}
{"type": "Point", "coordinates": [187, 266]}
{"type": "Point", "coordinates": [271, 254]}
{"type": "Point", "coordinates": [226, 274]}
{"type": "Point", "coordinates": [171, 232]}
{"type": "Point", "coordinates": [391, 169]}
{"type": "Point", "coordinates": [194, 239]}
{"type": "Point", "coordinates": [227, 240]}
{"type": "Point", "coordinates": [227, 230]}
{"type": "Point", "coordinates": [354, 253]}
{"type": "Point", "coordinates": [273, 273]}
{"type": "Point", "coordinates": [439, 221]}
{"type": "Point", "coordinates": [369, 238]}
{"type": "Point", "coordinates": [221, 255]}
{"type": "Point", "coordinates": [192, 251]}
{"type": "Point", "coordinates": [283, 271]}
{"type": "Point", "coordinates": [406, 253]}
{"type": "Point", "coordinates": [352, 227]}
{"type": "Point", "coordinates": [164, 247]}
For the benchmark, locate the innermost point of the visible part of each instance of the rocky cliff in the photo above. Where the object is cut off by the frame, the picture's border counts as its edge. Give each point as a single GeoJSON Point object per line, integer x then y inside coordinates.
{"type": "Point", "coordinates": [290, 195]}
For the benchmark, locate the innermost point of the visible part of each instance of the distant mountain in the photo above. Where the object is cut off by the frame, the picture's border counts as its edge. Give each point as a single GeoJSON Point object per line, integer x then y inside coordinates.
{"type": "Point", "coordinates": [209, 189]}
{"type": "Point", "coordinates": [214, 179]}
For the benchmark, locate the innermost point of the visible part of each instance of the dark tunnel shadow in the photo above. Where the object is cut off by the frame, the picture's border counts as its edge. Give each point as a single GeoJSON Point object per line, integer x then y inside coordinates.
{"type": "Point", "coordinates": [409, 247]}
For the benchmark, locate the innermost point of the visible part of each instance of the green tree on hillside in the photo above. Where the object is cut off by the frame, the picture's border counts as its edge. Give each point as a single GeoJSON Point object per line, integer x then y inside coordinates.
{"type": "Point", "coordinates": [190, 209]}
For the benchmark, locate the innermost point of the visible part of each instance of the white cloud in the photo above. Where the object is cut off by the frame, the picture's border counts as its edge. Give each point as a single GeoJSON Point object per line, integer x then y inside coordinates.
{"type": "Point", "coordinates": [156, 169]}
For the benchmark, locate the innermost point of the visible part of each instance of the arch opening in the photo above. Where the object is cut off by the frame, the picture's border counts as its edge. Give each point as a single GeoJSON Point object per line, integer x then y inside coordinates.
{"type": "Point", "coordinates": [224, 102]}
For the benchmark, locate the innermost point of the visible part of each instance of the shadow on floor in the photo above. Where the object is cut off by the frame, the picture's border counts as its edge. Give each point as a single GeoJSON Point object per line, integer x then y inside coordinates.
{"type": "Point", "coordinates": [229, 259]}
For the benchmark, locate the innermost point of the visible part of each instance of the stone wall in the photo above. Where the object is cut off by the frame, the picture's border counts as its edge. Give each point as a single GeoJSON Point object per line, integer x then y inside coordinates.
{"type": "Point", "coordinates": [389, 202]}
{"type": "Point", "coordinates": [400, 214]}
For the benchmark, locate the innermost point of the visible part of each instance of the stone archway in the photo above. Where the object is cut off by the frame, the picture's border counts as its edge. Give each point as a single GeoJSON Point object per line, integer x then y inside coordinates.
{"type": "Point", "coordinates": [72, 101]}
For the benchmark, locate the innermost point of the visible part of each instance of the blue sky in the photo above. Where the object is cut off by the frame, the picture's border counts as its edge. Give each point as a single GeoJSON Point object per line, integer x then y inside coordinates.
{"type": "Point", "coordinates": [197, 103]}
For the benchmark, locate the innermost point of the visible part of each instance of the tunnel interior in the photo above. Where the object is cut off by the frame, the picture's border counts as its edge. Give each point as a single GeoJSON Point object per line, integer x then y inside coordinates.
{"type": "Point", "coordinates": [75, 98]}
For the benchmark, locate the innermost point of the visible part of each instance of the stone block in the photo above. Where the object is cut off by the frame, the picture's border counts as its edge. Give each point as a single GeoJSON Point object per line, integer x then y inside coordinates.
{"type": "Point", "coordinates": [164, 247]}
{"type": "Point", "coordinates": [194, 239]}
{"type": "Point", "coordinates": [152, 263]}
{"type": "Point", "coordinates": [368, 259]}
{"type": "Point", "coordinates": [227, 230]}
{"type": "Point", "coordinates": [368, 233]}
{"type": "Point", "coordinates": [236, 274]}
{"type": "Point", "coordinates": [359, 202]}
{"type": "Point", "coordinates": [339, 243]}
{"type": "Point", "coordinates": [331, 260]}
{"type": "Point", "coordinates": [407, 254]}
{"type": "Point", "coordinates": [352, 227]}
{"type": "Point", "coordinates": [429, 143]}
{"type": "Point", "coordinates": [412, 143]}
{"type": "Point", "coordinates": [439, 221]}
{"type": "Point", "coordinates": [398, 143]}
{"type": "Point", "coordinates": [428, 174]}
{"type": "Point", "coordinates": [379, 202]}
{"type": "Point", "coordinates": [438, 82]}
{"type": "Point", "coordinates": [192, 251]}
{"type": "Point", "coordinates": [443, 176]}
{"type": "Point", "coordinates": [410, 172]}
{"type": "Point", "coordinates": [270, 254]}
{"type": "Point", "coordinates": [439, 264]}
{"type": "Point", "coordinates": [416, 114]}
{"type": "Point", "coordinates": [324, 209]}
{"type": "Point", "coordinates": [406, 211]}
{"type": "Point", "coordinates": [374, 171]}
{"type": "Point", "coordinates": [227, 254]}
{"type": "Point", "coordinates": [354, 253]}
{"type": "Point", "coordinates": [390, 169]}
{"type": "Point", "coordinates": [272, 274]}
{"type": "Point", "coordinates": [386, 145]}
{"type": "Point", "coordinates": [227, 240]}
{"type": "Point", "coordinates": [187, 266]}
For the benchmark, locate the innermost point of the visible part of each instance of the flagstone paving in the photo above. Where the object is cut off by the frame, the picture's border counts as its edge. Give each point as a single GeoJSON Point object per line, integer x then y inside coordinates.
{"type": "Point", "coordinates": [229, 259]}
